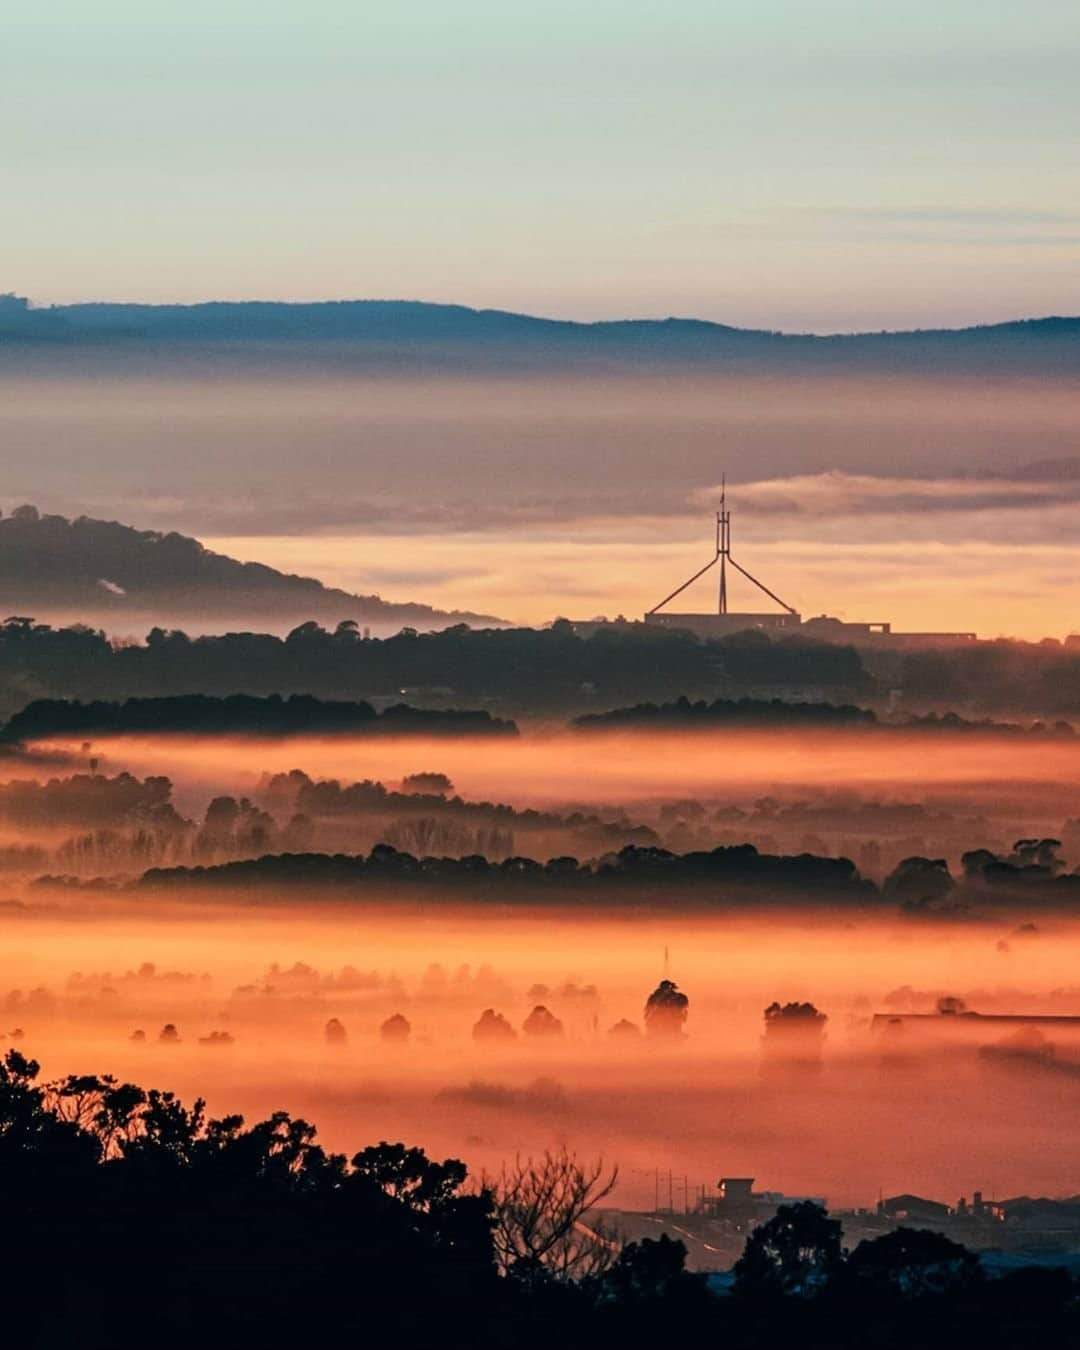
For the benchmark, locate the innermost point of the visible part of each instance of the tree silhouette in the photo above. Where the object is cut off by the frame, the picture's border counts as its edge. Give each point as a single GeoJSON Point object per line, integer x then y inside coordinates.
{"type": "Point", "coordinates": [542, 1023]}
{"type": "Point", "coordinates": [624, 1029]}
{"type": "Point", "coordinates": [918, 881]}
{"type": "Point", "coordinates": [395, 1028]}
{"type": "Point", "coordinates": [794, 1252]}
{"type": "Point", "coordinates": [912, 1263]}
{"type": "Point", "coordinates": [666, 1010]}
{"type": "Point", "coordinates": [651, 1271]}
{"type": "Point", "coordinates": [493, 1026]}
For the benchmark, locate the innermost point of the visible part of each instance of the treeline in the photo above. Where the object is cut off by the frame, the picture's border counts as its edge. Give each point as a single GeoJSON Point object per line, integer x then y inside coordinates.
{"type": "Point", "coordinates": [130, 1216]}
{"type": "Point", "coordinates": [655, 876]}
{"type": "Point", "coordinates": [128, 824]}
{"type": "Point", "coordinates": [682, 714]}
{"type": "Point", "coordinates": [243, 715]}
{"type": "Point", "coordinates": [735, 874]}
{"type": "Point", "coordinates": [652, 874]}
{"type": "Point", "coordinates": [299, 832]}
{"type": "Point", "coordinates": [528, 670]}
{"type": "Point", "coordinates": [425, 822]}
{"type": "Point", "coordinates": [542, 670]}
{"type": "Point", "coordinates": [304, 714]}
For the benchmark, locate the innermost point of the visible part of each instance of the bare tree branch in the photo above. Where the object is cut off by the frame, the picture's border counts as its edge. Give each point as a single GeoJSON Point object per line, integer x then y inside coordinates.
{"type": "Point", "coordinates": [540, 1209]}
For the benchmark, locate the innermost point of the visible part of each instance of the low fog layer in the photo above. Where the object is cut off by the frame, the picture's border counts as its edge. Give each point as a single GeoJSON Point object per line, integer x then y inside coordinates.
{"type": "Point", "coordinates": [250, 997]}
{"type": "Point", "coordinates": [369, 1016]}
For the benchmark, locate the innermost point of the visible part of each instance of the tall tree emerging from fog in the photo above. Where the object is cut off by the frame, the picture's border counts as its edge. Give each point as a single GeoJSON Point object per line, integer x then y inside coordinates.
{"type": "Point", "coordinates": [666, 1010]}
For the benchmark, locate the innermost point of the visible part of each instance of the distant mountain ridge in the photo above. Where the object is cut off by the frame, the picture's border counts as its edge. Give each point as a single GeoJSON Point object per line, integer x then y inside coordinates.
{"type": "Point", "coordinates": [493, 334]}
{"type": "Point", "coordinates": [104, 572]}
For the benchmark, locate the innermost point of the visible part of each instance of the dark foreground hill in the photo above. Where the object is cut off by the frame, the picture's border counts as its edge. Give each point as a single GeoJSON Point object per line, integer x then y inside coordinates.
{"type": "Point", "coordinates": [103, 572]}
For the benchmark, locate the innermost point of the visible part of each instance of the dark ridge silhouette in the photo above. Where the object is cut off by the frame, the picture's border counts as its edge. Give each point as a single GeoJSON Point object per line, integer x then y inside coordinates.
{"type": "Point", "coordinates": [118, 574]}
{"type": "Point", "coordinates": [244, 715]}
{"type": "Point", "coordinates": [458, 335]}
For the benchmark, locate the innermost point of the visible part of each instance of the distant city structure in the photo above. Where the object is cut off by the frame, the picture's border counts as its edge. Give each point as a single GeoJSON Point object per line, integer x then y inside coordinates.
{"type": "Point", "coordinates": [714, 1223]}
{"type": "Point", "coordinates": [784, 620]}
{"type": "Point", "coordinates": [736, 1202]}
{"type": "Point", "coordinates": [724, 621]}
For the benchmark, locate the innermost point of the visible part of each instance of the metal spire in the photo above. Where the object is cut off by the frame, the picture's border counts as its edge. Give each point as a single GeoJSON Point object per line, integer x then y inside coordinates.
{"type": "Point", "coordinates": [723, 557]}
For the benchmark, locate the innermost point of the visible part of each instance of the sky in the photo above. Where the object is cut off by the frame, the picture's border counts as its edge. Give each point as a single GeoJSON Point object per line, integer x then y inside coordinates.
{"type": "Point", "coordinates": [797, 164]}
{"type": "Point", "coordinates": [813, 165]}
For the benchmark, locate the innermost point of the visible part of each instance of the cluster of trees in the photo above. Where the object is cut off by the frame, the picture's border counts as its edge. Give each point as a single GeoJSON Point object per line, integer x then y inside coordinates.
{"type": "Point", "coordinates": [875, 835]}
{"type": "Point", "coordinates": [129, 1214]}
{"type": "Point", "coordinates": [494, 1028]}
{"type": "Point", "coordinates": [88, 800]}
{"type": "Point", "coordinates": [133, 823]}
{"type": "Point", "coordinates": [1033, 869]}
{"type": "Point", "coordinates": [127, 822]}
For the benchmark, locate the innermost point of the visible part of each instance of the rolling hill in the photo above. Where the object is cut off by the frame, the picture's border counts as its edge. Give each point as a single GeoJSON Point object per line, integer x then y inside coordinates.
{"type": "Point", "coordinates": [111, 575]}
{"type": "Point", "coordinates": [414, 332]}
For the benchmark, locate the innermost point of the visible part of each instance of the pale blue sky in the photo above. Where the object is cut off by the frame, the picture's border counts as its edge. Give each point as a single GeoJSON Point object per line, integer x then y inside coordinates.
{"type": "Point", "coordinates": [784, 162]}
